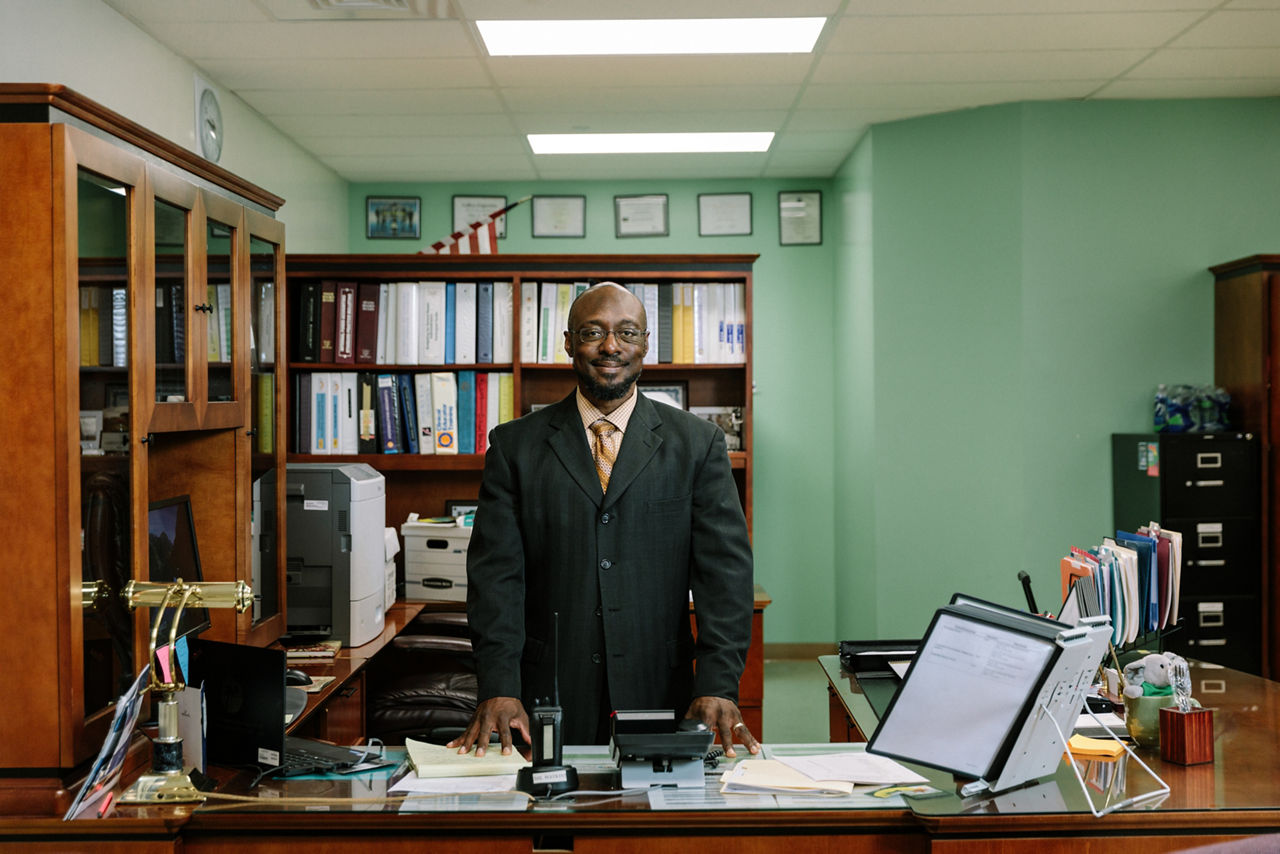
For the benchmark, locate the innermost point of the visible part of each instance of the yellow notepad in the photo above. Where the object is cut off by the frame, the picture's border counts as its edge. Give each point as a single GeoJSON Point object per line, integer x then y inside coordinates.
{"type": "Point", "coordinates": [1084, 746]}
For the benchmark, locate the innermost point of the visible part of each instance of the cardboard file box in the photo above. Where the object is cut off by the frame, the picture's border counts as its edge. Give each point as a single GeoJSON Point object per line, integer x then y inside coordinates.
{"type": "Point", "coordinates": [435, 562]}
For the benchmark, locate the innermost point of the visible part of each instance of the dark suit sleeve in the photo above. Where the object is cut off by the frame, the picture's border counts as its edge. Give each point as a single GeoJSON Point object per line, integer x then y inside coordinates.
{"type": "Point", "coordinates": [495, 578]}
{"type": "Point", "coordinates": [720, 575]}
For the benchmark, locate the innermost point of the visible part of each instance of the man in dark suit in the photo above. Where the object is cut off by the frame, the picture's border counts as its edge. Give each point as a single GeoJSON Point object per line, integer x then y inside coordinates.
{"type": "Point", "coordinates": [608, 509]}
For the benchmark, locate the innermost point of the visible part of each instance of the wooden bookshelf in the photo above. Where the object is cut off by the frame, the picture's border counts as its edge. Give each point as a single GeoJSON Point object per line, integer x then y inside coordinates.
{"type": "Point", "coordinates": [422, 483]}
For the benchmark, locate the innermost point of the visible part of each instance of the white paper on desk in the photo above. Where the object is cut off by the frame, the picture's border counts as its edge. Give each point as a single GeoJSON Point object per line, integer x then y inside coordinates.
{"type": "Point", "coordinates": [496, 802]}
{"type": "Point", "coordinates": [769, 776]}
{"type": "Point", "coordinates": [670, 798]}
{"type": "Point", "coordinates": [858, 767]}
{"type": "Point", "coordinates": [434, 760]}
{"type": "Point", "coordinates": [900, 667]}
{"type": "Point", "coordinates": [454, 785]}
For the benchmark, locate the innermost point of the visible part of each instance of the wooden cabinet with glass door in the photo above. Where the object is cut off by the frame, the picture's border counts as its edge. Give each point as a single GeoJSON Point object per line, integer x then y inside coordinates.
{"type": "Point", "coordinates": [113, 241]}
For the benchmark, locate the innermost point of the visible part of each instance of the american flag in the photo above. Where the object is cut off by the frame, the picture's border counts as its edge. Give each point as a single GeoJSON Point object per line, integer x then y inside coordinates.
{"type": "Point", "coordinates": [479, 238]}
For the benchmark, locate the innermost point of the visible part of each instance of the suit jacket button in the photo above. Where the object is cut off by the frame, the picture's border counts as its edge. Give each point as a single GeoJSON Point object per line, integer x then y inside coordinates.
{"type": "Point", "coordinates": [604, 519]}
{"type": "Point", "coordinates": [595, 658]}
{"type": "Point", "coordinates": [606, 563]}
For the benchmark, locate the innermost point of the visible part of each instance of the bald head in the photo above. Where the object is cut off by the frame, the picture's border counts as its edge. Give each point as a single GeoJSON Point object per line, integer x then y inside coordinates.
{"type": "Point", "coordinates": [594, 297]}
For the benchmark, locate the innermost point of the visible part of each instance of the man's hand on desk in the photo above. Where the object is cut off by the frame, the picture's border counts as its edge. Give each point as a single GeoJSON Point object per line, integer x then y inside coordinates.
{"type": "Point", "coordinates": [723, 716]}
{"type": "Point", "coordinates": [497, 714]}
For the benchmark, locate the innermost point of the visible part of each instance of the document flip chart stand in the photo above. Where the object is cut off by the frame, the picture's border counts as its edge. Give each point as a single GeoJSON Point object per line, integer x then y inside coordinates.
{"type": "Point", "coordinates": [983, 692]}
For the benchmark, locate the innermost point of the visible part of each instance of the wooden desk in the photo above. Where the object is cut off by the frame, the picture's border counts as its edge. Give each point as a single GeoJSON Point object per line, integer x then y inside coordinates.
{"type": "Point", "coordinates": [336, 712]}
{"type": "Point", "coordinates": [1238, 794]}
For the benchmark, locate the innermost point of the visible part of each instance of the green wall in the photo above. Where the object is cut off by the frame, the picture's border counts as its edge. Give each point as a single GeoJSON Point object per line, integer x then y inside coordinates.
{"type": "Point", "coordinates": [1035, 270]}
{"type": "Point", "coordinates": [793, 349]}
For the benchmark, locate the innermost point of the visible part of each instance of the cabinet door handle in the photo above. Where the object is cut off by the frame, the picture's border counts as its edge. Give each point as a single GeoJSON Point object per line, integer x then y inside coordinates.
{"type": "Point", "coordinates": [348, 690]}
{"type": "Point", "coordinates": [1199, 483]}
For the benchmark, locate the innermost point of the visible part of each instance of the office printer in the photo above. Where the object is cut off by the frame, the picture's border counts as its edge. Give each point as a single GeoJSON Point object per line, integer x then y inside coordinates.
{"type": "Point", "coordinates": [336, 515]}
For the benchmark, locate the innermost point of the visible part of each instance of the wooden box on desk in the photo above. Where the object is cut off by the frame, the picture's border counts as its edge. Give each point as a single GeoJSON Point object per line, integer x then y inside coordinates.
{"type": "Point", "coordinates": [1186, 737]}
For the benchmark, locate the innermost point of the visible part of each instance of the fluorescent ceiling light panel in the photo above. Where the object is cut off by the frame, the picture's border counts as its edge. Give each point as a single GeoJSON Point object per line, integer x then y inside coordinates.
{"type": "Point", "coordinates": [648, 143]}
{"type": "Point", "coordinates": [664, 36]}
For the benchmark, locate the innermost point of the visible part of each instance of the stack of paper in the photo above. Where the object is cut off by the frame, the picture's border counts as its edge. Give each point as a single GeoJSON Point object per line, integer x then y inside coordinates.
{"type": "Point", "coordinates": [433, 760]}
{"type": "Point", "coordinates": [825, 773]}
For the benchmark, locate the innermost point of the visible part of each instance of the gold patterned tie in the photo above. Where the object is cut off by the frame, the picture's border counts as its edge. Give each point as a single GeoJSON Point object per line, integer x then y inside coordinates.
{"type": "Point", "coordinates": [604, 450]}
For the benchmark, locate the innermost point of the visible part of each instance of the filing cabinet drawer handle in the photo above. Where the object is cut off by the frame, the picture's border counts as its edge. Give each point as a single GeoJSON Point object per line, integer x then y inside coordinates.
{"type": "Point", "coordinates": [1209, 539]}
{"type": "Point", "coordinates": [1209, 460]}
{"type": "Point", "coordinates": [1211, 618]}
{"type": "Point", "coordinates": [1207, 563]}
{"type": "Point", "coordinates": [1212, 642]}
{"type": "Point", "coordinates": [1201, 483]}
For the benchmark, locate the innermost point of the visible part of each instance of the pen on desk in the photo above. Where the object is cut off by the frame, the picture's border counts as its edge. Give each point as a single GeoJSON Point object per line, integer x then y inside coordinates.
{"type": "Point", "coordinates": [106, 804]}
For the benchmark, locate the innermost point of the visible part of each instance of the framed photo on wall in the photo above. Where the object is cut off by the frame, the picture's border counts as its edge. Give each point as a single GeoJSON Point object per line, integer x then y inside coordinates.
{"type": "Point", "coordinates": [559, 216]}
{"type": "Point", "coordinates": [640, 216]}
{"type": "Point", "coordinates": [469, 209]}
{"type": "Point", "coordinates": [724, 214]}
{"type": "Point", "coordinates": [393, 217]}
{"type": "Point", "coordinates": [800, 218]}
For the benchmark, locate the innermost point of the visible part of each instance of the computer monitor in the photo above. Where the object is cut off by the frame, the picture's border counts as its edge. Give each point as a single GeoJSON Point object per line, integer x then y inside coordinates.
{"type": "Point", "coordinates": [171, 540]}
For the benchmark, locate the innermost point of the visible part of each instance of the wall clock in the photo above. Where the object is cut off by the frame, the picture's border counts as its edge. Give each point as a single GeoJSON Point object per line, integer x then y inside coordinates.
{"type": "Point", "coordinates": [209, 132]}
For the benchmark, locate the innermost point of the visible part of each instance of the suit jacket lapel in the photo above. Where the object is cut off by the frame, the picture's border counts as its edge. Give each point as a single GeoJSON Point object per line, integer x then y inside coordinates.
{"type": "Point", "coordinates": [569, 443]}
{"type": "Point", "coordinates": [639, 444]}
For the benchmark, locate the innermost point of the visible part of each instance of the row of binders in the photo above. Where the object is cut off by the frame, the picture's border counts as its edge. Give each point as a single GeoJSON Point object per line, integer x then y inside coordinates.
{"type": "Point", "coordinates": [366, 412]}
{"type": "Point", "coordinates": [104, 324]}
{"type": "Point", "coordinates": [1135, 578]}
{"type": "Point", "coordinates": [472, 323]}
{"type": "Point", "coordinates": [104, 327]}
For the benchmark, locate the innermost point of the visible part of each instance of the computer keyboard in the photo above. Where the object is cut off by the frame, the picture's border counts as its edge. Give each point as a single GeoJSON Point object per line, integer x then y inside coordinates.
{"type": "Point", "coordinates": [303, 756]}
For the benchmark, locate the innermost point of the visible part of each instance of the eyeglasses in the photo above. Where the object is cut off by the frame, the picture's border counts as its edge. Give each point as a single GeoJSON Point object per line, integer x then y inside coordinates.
{"type": "Point", "coordinates": [594, 335]}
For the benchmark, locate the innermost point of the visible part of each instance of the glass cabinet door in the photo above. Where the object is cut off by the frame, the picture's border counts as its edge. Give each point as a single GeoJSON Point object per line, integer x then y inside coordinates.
{"type": "Point", "coordinates": [107, 228]}
{"type": "Point", "coordinates": [266, 276]}
{"type": "Point", "coordinates": [170, 332]}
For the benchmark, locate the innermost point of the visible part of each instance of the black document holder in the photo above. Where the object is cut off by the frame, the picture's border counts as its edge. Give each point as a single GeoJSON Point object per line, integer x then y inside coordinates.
{"type": "Point", "coordinates": [990, 694]}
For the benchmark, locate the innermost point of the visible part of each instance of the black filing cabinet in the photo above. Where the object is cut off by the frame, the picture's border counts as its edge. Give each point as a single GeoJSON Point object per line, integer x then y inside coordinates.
{"type": "Point", "coordinates": [1207, 487]}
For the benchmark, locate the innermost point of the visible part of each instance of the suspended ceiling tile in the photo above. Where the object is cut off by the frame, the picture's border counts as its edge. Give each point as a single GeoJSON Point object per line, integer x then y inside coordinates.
{"type": "Point", "coordinates": [1234, 88]}
{"type": "Point", "coordinates": [974, 67]}
{"type": "Point", "coordinates": [1021, 7]}
{"type": "Point", "coordinates": [339, 74]}
{"type": "Point", "coordinates": [327, 39]}
{"type": "Point", "coordinates": [317, 125]}
{"type": "Point", "coordinates": [1260, 28]}
{"type": "Point", "coordinates": [958, 33]}
{"type": "Point", "coordinates": [797, 140]}
{"type": "Point", "coordinates": [650, 122]}
{"type": "Point", "coordinates": [223, 11]}
{"type": "Point", "coordinates": [649, 166]}
{"type": "Point", "coordinates": [622, 71]}
{"type": "Point", "coordinates": [672, 98]}
{"type": "Point", "coordinates": [426, 167]}
{"type": "Point", "coordinates": [379, 102]}
{"type": "Point", "coordinates": [1209, 63]}
{"type": "Point", "coordinates": [819, 164]}
{"type": "Point", "coordinates": [374, 145]}
{"type": "Point", "coordinates": [935, 95]}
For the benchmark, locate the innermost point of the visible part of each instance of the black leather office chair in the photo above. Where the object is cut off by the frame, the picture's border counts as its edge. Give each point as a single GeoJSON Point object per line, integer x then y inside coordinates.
{"type": "Point", "coordinates": [423, 685]}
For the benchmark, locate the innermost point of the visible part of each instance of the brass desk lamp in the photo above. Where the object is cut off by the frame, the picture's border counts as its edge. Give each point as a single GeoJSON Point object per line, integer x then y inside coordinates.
{"type": "Point", "coordinates": [168, 781]}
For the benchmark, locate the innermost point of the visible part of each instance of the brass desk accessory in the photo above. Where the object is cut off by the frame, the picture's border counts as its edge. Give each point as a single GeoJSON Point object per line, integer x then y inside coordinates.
{"type": "Point", "coordinates": [168, 781]}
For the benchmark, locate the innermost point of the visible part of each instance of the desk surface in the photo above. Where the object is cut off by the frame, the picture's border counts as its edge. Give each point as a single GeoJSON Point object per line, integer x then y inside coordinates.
{"type": "Point", "coordinates": [1240, 789]}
